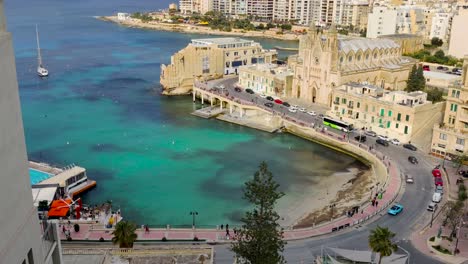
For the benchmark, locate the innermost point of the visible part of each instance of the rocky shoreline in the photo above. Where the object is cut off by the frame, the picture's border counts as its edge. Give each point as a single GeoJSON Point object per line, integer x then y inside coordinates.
{"type": "Point", "coordinates": [193, 29]}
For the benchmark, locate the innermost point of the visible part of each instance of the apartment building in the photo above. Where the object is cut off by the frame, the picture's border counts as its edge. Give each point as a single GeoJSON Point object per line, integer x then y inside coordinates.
{"type": "Point", "coordinates": [284, 10]}
{"type": "Point", "coordinates": [260, 9]}
{"type": "Point", "coordinates": [23, 238]}
{"type": "Point", "coordinates": [307, 11]}
{"type": "Point", "coordinates": [382, 21]}
{"type": "Point", "coordinates": [440, 26]}
{"type": "Point", "coordinates": [450, 137]}
{"type": "Point", "coordinates": [458, 34]}
{"type": "Point", "coordinates": [395, 114]}
{"type": "Point", "coordinates": [210, 59]}
{"type": "Point", "coordinates": [267, 78]}
{"type": "Point", "coordinates": [355, 13]}
{"type": "Point", "coordinates": [195, 6]}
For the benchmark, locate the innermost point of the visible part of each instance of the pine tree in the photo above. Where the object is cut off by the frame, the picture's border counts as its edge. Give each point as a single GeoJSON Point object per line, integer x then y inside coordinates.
{"type": "Point", "coordinates": [411, 83]}
{"type": "Point", "coordinates": [259, 241]}
{"type": "Point", "coordinates": [421, 83]}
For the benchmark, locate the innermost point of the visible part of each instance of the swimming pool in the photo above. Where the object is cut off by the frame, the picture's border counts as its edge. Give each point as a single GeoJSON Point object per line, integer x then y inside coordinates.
{"type": "Point", "coordinates": [37, 176]}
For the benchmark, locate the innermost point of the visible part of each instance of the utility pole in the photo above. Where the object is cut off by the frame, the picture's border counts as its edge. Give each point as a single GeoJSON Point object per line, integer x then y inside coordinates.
{"type": "Point", "coordinates": [193, 214]}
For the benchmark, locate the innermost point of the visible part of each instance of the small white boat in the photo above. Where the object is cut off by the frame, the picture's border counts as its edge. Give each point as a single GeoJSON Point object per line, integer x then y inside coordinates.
{"type": "Point", "coordinates": [41, 70]}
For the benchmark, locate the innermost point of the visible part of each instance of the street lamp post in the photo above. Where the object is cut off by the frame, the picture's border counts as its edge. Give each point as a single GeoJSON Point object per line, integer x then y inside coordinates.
{"type": "Point", "coordinates": [193, 214]}
{"type": "Point", "coordinates": [432, 215]}
{"type": "Point", "coordinates": [331, 207]}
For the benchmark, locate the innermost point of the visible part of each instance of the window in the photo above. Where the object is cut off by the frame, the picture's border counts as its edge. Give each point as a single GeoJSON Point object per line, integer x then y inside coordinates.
{"type": "Point", "coordinates": [453, 107]}
{"type": "Point", "coordinates": [461, 141]}
{"type": "Point", "coordinates": [406, 129]}
{"type": "Point", "coordinates": [443, 136]}
{"type": "Point", "coordinates": [205, 64]}
{"type": "Point", "coordinates": [358, 104]}
{"type": "Point", "coordinates": [30, 257]}
{"type": "Point", "coordinates": [350, 58]}
{"type": "Point", "coordinates": [372, 120]}
{"type": "Point", "coordinates": [382, 112]}
{"type": "Point", "coordinates": [407, 118]}
{"type": "Point", "coordinates": [343, 100]}
{"type": "Point", "coordinates": [389, 113]}
{"type": "Point", "coordinates": [388, 124]}
{"type": "Point", "coordinates": [236, 53]}
{"type": "Point", "coordinates": [342, 111]}
{"type": "Point", "coordinates": [398, 117]}
{"type": "Point", "coordinates": [341, 59]}
{"type": "Point", "coordinates": [373, 108]}
{"type": "Point", "coordinates": [397, 125]}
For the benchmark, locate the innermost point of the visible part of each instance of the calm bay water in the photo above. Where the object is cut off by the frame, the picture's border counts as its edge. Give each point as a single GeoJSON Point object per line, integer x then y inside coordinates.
{"type": "Point", "coordinates": [100, 108]}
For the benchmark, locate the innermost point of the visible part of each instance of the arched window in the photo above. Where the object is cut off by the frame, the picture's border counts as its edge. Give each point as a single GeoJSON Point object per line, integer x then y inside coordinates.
{"type": "Point", "coordinates": [350, 58]}
{"type": "Point", "coordinates": [341, 59]}
{"type": "Point", "coordinates": [359, 57]}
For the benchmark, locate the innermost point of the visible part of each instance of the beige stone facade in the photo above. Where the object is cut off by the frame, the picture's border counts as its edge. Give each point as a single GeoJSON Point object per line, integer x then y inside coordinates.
{"type": "Point", "coordinates": [326, 61]}
{"type": "Point", "coordinates": [395, 114]}
{"type": "Point", "coordinates": [450, 138]}
{"type": "Point", "coordinates": [210, 59]}
{"type": "Point", "coordinates": [267, 78]}
{"type": "Point", "coordinates": [409, 43]}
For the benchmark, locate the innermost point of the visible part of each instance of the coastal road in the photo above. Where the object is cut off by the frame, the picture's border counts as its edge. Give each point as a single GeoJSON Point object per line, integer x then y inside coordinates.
{"type": "Point", "coordinates": [415, 199]}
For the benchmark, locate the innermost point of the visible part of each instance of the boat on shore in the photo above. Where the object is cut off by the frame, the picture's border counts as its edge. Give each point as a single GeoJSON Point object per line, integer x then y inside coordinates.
{"type": "Point", "coordinates": [286, 49]}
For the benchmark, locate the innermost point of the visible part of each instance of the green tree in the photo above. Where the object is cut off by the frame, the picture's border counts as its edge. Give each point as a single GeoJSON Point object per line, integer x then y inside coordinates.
{"type": "Point", "coordinates": [124, 234]}
{"type": "Point", "coordinates": [411, 83]}
{"type": "Point", "coordinates": [286, 26]}
{"type": "Point", "coordinates": [259, 240]}
{"type": "Point", "coordinates": [436, 42]}
{"type": "Point", "coordinates": [460, 160]}
{"type": "Point", "coordinates": [261, 26]}
{"type": "Point", "coordinates": [380, 241]}
{"type": "Point", "coordinates": [435, 95]}
{"type": "Point", "coordinates": [453, 214]}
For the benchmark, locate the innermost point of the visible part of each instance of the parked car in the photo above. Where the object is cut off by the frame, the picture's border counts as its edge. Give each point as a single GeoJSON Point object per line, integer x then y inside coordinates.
{"type": "Point", "coordinates": [320, 116]}
{"type": "Point", "coordinates": [432, 207]}
{"type": "Point", "coordinates": [438, 181]}
{"type": "Point", "coordinates": [292, 110]}
{"type": "Point", "coordinates": [250, 91]}
{"type": "Point", "coordinates": [439, 189]}
{"type": "Point", "coordinates": [263, 96]}
{"type": "Point", "coordinates": [436, 197]}
{"type": "Point", "coordinates": [312, 113]}
{"type": "Point", "coordinates": [436, 173]}
{"type": "Point", "coordinates": [426, 68]}
{"type": "Point", "coordinates": [370, 133]}
{"type": "Point", "coordinates": [237, 89]}
{"type": "Point", "coordinates": [383, 137]}
{"type": "Point", "coordinates": [395, 142]}
{"type": "Point", "coordinates": [360, 138]}
{"type": "Point", "coordinates": [409, 178]}
{"type": "Point", "coordinates": [269, 104]}
{"type": "Point", "coordinates": [413, 159]}
{"type": "Point", "coordinates": [302, 109]}
{"type": "Point", "coordinates": [269, 98]}
{"type": "Point", "coordinates": [382, 142]}
{"type": "Point", "coordinates": [278, 101]}
{"type": "Point", "coordinates": [395, 209]}
{"type": "Point", "coordinates": [455, 70]}
{"type": "Point", "coordinates": [410, 147]}
{"type": "Point", "coordinates": [445, 69]}
{"type": "Point", "coordinates": [295, 106]}
{"type": "Point", "coordinates": [286, 104]}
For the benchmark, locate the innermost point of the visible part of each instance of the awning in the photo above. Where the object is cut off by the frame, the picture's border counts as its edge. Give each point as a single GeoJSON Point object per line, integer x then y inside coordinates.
{"type": "Point", "coordinates": [59, 208]}
{"type": "Point", "coordinates": [43, 194]}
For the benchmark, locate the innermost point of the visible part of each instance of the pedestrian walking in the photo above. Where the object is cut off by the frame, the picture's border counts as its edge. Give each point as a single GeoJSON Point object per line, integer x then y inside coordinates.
{"type": "Point", "coordinates": [63, 229]}
{"type": "Point", "coordinates": [222, 227]}
{"type": "Point", "coordinates": [146, 229]}
{"type": "Point", "coordinates": [227, 226]}
{"type": "Point", "coordinates": [373, 202]}
{"type": "Point", "coordinates": [376, 203]}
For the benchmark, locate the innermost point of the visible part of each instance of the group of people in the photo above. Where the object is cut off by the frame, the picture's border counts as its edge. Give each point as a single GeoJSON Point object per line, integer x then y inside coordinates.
{"type": "Point", "coordinates": [228, 235]}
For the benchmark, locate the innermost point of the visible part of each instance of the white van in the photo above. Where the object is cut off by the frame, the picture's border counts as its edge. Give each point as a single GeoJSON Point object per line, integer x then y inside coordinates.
{"type": "Point", "coordinates": [432, 207]}
{"type": "Point", "coordinates": [436, 197]}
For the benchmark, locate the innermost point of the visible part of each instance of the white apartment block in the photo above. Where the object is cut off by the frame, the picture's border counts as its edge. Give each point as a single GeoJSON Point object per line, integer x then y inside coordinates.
{"type": "Point", "coordinates": [440, 26]}
{"type": "Point", "coordinates": [307, 11]}
{"type": "Point", "coordinates": [195, 6]}
{"type": "Point", "coordinates": [260, 9]}
{"type": "Point", "coordinates": [355, 13]}
{"type": "Point", "coordinates": [382, 21]}
{"type": "Point", "coordinates": [23, 238]}
{"type": "Point", "coordinates": [284, 10]}
{"type": "Point", "coordinates": [458, 36]}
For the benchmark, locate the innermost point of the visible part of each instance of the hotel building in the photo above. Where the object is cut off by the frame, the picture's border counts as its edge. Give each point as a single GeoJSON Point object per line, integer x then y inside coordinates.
{"type": "Point", "coordinates": [211, 59]}
{"type": "Point", "coordinates": [23, 238]}
{"type": "Point", "coordinates": [326, 61]}
{"type": "Point", "coordinates": [450, 137]}
{"type": "Point", "coordinates": [395, 114]}
{"type": "Point", "coordinates": [267, 78]}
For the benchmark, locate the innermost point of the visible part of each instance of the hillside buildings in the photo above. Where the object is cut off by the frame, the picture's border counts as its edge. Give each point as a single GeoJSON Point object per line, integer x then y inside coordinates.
{"type": "Point", "coordinates": [267, 78]}
{"type": "Point", "coordinates": [23, 238]}
{"type": "Point", "coordinates": [210, 59]}
{"type": "Point", "coordinates": [395, 114]}
{"type": "Point", "coordinates": [458, 35]}
{"type": "Point", "coordinates": [450, 137]}
{"type": "Point", "coordinates": [326, 61]}
{"type": "Point", "coordinates": [382, 21]}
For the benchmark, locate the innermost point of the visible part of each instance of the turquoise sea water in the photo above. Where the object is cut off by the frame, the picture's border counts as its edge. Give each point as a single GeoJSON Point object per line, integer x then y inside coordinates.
{"type": "Point", "coordinates": [101, 109]}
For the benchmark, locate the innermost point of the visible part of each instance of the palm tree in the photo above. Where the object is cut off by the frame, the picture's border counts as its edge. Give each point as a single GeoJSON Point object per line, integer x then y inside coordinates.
{"type": "Point", "coordinates": [124, 234]}
{"type": "Point", "coordinates": [380, 242]}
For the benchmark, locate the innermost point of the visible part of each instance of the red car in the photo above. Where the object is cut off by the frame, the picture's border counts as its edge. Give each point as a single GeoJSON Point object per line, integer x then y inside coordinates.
{"type": "Point", "coordinates": [426, 68]}
{"type": "Point", "coordinates": [438, 181]}
{"type": "Point", "coordinates": [278, 101]}
{"type": "Point", "coordinates": [436, 173]}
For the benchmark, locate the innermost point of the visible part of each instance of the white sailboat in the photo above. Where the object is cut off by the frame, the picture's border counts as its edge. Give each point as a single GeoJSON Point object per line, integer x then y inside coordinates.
{"type": "Point", "coordinates": [41, 71]}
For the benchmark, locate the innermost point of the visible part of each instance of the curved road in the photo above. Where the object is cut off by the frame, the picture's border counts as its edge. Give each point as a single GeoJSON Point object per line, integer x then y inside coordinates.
{"type": "Point", "coordinates": [415, 199]}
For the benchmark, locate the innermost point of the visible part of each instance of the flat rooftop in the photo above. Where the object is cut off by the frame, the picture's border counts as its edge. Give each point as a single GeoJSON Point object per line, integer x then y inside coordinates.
{"type": "Point", "coordinates": [220, 41]}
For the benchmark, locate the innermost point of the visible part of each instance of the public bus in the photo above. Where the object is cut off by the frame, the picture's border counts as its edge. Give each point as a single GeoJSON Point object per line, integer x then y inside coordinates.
{"type": "Point", "coordinates": [336, 124]}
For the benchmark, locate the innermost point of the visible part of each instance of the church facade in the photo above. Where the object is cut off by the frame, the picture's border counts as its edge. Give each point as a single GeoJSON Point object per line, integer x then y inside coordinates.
{"type": "Point", "coordinates": [326, 61]}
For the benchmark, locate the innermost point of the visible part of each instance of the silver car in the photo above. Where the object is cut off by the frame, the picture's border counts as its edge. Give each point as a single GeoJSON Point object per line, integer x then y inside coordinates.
{"type": "Point", "coordinates": [370, 133]}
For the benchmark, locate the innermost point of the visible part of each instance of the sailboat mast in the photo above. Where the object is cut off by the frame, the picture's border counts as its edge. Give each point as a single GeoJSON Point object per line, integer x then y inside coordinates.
{"type": "Point", "coordinates": [39, 58]}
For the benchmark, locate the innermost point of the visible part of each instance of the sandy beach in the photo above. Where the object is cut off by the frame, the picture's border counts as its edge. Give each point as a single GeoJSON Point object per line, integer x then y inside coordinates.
{"type": "Point", "coordinates": [193, 29]}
